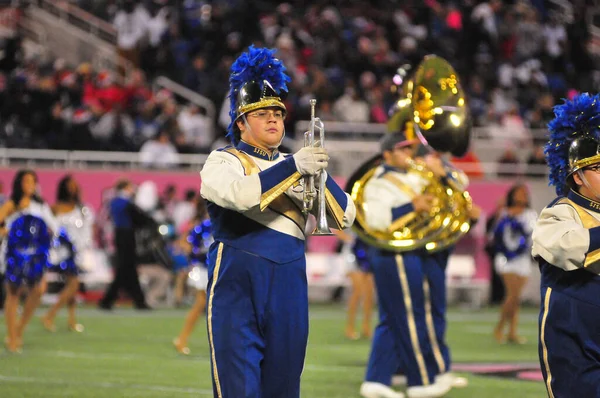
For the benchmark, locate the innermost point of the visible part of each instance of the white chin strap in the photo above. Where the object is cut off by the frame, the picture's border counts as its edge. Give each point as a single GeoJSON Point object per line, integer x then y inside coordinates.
{"type": "Point", "coordinates": [250, 129]}
{"type": "Point", "coordinates": [588, 185]}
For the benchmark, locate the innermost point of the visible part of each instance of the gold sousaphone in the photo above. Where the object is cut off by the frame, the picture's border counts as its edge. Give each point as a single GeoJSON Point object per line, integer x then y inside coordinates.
{"type": "Point", "coordinates": [431, 107]}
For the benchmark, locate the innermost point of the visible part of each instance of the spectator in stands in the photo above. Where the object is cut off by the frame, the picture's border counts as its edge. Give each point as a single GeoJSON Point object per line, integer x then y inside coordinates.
{"type": "Point", "coordinates": [159, 152]}
{"type": "Point", "coordinates": [146, 124]}
{"type": "Point", "coordinates": [196, 129]}
{"type": "Point", "coordinates": [470, 164]}
{"type": "Point", "coordinates": [350, 107]}
{"type": "Point", "coordinates": [157, 27]}
{"type": "Point", "coordinates": [536, 163]}
{"type": "Point", "coordinates": [508, 164]}
{"type": "Point", "coordinates": [131, 23]}
{"type": "Point", "coordinates": [198, 77]}
{"type": "Point", "coordinates": [12, 53]}
{"type": "Point", "coordinates": [555, 36]}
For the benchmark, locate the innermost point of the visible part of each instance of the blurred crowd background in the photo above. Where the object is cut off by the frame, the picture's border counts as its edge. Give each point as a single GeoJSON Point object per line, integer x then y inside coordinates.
{"type": "Point", "coordinates": [516, 59]}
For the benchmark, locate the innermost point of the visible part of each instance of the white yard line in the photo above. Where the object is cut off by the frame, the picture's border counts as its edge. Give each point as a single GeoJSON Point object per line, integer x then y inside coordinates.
{"type": "Point", "coordinates": [120, 386]}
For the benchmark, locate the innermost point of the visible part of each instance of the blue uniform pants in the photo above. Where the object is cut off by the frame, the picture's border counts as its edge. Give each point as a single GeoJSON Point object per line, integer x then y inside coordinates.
{"type": "Point", "coordinates": [257, 316]}
{"type": "Point", "coordinates": [405, 334]}
{"type": "Point", "coordinates": [569, 345]}
{"type": "Point", "coordinates": [435, 275]}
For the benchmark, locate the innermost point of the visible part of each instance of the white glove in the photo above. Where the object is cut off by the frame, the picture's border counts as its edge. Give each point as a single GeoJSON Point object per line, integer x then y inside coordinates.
{"type": "Point", "coordinates": [310, 160]}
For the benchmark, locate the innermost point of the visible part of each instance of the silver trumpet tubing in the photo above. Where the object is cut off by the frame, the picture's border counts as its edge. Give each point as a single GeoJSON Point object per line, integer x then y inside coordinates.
{"type": "Point", "coordinates": [310, 191]}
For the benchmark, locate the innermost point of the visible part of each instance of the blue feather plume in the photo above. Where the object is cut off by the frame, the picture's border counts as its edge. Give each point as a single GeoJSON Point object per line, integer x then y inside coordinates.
{"type": "Point", "coordinates": [572, 119]}
{"type": "Point", "coordinates": [257, 64]}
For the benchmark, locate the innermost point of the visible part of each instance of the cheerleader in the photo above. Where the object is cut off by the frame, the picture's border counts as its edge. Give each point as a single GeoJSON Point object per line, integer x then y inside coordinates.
{"type": "Point", "coordinates": [513, 262]}
{"type": "Point", "coordinates": [29, 224]}
{"type": "Point", "coordinates": [363, 285]}
{"type": "Point", "coordinates": [199, 240]}
{"type": "Point", "coordinates": [76, 237]}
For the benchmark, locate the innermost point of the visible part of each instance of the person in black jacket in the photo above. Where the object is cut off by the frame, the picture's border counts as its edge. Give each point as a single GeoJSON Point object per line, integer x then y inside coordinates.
{"type": "Point", "coordinates": [127, 217]}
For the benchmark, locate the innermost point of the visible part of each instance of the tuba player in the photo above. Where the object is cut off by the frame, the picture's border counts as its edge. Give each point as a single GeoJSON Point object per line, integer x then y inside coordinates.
{"type": "Point", "coordinates": [410, 285]}
{"type": "Point", "coordinates": [257, 292]}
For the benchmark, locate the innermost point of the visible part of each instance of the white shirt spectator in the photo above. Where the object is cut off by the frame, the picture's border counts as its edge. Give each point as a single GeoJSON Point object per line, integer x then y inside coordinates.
{"type": "Point", "coordinates": [196, 128]}
{"type": "Point", "coordinates": [484, 14]}
{"type": "Point", "coordinates": [555, 36]}
{"type": "Point", "coordinates": [157, 26]}
{"type": "Point", "coordinates": [131, 27]}
{"type": "Point", "coordinates": [350, 108]}
{"type": "Point", "coordinates": [159, 153]}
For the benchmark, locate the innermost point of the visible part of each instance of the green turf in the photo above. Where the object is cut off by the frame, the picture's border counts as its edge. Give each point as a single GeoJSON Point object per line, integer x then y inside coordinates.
{"type": "Point", "coordinates": [129, 354]}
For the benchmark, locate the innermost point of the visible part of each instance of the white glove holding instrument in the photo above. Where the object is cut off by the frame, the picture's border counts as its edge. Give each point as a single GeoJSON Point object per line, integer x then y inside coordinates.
{"type": "Point", "coordinates": [310, 160]}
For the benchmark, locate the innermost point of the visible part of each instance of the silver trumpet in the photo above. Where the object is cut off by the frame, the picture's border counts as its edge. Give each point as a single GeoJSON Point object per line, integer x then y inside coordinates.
{"type": "Point", "coordinates": [310, 191]}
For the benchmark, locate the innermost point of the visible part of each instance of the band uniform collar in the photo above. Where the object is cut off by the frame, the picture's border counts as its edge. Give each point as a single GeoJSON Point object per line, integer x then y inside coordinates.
{"type": "Point", "coordinates": [387, 168]}
{"type": "Point", "coordinates": [584, 202]}
{"type": "Point", "coordinates": [256, 151]}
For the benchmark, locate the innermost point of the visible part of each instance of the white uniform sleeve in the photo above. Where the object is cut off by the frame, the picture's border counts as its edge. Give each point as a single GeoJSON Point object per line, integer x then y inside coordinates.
{"type": "Point", "coordinates": [381, 197]}
{"type": "Point", "coordinates": [224, 183]}
{"type": "Point", "coordinates": [560, 239]}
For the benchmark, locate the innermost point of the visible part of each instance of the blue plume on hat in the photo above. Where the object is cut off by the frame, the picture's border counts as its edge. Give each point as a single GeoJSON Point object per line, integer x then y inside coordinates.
{"type": "Point", "coordinates": [257, 64]}
{"type": "Point", "coordinates": [572, 119]}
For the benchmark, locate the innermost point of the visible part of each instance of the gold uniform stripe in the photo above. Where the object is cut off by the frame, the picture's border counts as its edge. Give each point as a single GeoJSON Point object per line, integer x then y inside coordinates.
{"type": "Point", "coordinates": [437, 353]}
{"type": "Point", "coordinates": [543, 341]}
{"type": "Point", "coordinates": [335, 210]}
{"type": "Point", "coordinates": [210, 328]}
{"type": "Point", "coordinates": [400, 184]}
{"type": "Point", "coordinates": [279, 203]}
{"type": "Point", "coordinates": [401, 221]}
{"type": "Point", "coordinates": [412, 326]}
{"type": "Point", "coordinates": [588, 221]}
{"type": "Point", "coordinates": [277, 190]}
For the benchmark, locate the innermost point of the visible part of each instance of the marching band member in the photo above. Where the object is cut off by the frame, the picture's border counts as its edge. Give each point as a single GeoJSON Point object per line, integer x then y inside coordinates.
{"type": "Point", "coordinates": [257, 292]}
{"type": "Point", "coordinates": [29, 226]}
{"type": "Point", "coordinates": [566, 245]}
{"type": "Point", "coordinates": [410, 335]}
{"type": "Point", "coordinates": [512, 237]}
{"type": "Point", "coordinates": [401, 339]}
{"type": "Point", "coordinates": [76, 237]}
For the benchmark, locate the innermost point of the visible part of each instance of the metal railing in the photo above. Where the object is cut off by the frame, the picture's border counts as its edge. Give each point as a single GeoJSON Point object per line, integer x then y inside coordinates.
{"type": "Point", "coordinates": [189, 95]}
{"type": "Point", "coordinates": [69, 41]}
{"type": "Point", "coordinates": [79, 18]}
{"type": "Point", "coordinates": [131, 161]}
{"type": "Point", "coordinates": [88, 159]}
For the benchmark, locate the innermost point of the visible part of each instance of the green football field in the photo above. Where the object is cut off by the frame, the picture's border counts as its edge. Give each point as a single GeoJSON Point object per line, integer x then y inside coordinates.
{"type": "Point", "coordinates": [129, 354]}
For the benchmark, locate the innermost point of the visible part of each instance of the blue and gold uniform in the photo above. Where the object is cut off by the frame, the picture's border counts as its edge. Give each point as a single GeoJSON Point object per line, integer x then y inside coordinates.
{"type": "Point", "coordinates": [566, 245]}
{"type": "Point", "coordinates": [257, 303]}
{"type": "Point", "coordinates": [257, 309]}
{"type": "Point", "coordinates": [407, 336]}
